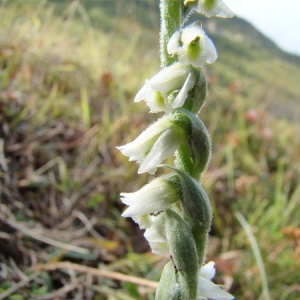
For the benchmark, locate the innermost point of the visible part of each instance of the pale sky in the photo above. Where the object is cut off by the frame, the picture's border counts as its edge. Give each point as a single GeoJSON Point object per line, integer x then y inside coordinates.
{"type": "Point", "coordinates": [277, 19]}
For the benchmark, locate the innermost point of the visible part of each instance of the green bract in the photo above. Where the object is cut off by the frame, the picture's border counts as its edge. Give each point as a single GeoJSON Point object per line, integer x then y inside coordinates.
{"type": "Point", "coordinates": [168, 287]}
{"type": "Point", "coordinates": [184, 252]}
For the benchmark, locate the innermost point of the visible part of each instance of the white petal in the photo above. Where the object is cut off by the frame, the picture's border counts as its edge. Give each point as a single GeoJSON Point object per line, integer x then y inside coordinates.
{"type": "Point", "coordinates": [190, 33]}
{"type": "Point", "coordinates": [174, 43]}
{"type": "Point", "coordinates": [155, 188]}
{"type": "Point", "coordinates": [207, 289]}
{"type": "Point", "coordinates": [165, 146]}
{"type": "Point", "coordinates": [148, 94]}
{"type": "Point", "coordinates": [170, 78]}
{"type": "Point", "coordinates": [146, 206]}
{"type": "Point", "coordinates": [182, 95]}
{"type": "Point", "coordinates": [145, 93]}
{"type": "Point", "coordinates": [143, 221]}
{"type": "Point", "coordinates": [156, 237]}
{"type": "Point", "coordinates": [159, 248]}
{"type": "Point", "coordinates": [151, 199]}
{"type": "Point", "coordinates": [137, 149]}
{"type": "Point", "coordinates": [220, 9]}
{"type": "Point", "coordinates": [208, 271]}
{"type": "Point", "coordinates": [152, 234]}
{"type": "Point", "coordinates": [210, 51]}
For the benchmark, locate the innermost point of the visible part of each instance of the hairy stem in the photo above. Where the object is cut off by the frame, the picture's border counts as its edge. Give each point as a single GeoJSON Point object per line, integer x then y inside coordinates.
{"type": "Point", "coordinates": [171, 12]}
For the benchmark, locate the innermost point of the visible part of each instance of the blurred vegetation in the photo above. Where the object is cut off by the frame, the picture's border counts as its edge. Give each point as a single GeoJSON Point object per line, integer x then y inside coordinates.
{"type": "Point", "coordinates": [68, 73]}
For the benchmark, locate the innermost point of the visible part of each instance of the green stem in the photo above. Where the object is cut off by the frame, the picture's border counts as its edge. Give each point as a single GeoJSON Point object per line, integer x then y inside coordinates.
{"type": "Point", "coordinates": [170, 12]}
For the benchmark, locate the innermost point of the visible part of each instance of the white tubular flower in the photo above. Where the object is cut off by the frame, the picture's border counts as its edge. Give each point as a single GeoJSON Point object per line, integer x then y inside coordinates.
{"type": "Point", "coordinates": [154, 197]}
{"type": "Point", "coordinates": [146, 208]}
{"type": "Point", "coordinates": [206, 288]}
{"type": "Point", "coordinates": [211, 8]}
{"type": "Point", "coordinates": [155, 144]}
{"type": "Point", "coordinates": [155, 235]}
{"type": "Point", "coordinates": [192, 46]}
{"type": "Point", "coordinates": [168, 89]}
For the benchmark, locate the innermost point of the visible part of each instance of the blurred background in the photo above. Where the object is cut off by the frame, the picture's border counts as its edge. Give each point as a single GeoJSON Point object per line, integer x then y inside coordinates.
{"type": "Point", "coordinates": [69, 71]}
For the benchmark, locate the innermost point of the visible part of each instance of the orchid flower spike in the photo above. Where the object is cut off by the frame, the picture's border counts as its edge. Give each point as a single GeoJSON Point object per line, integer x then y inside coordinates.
{"type": "Point", "coordinates": [174, 209]}
{"type": "Point", "coordinates": [192, 46]}
{"type": "Point", "coordinates": [206, 288]}
{"type": "Point", "coordinates": [210, 8]}
{"type": "Point", "coordinates": [168, 89]}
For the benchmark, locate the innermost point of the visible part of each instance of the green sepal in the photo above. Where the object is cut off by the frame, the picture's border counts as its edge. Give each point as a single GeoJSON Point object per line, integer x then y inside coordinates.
{"type": "Point", "coordinates": [197, 209]}
{"type": "Point", "coordinates": [184, 253]}
{"type": "Point", "coordinates": [168, 288]}
{"type": "Point", "coordinates": [193, 157]}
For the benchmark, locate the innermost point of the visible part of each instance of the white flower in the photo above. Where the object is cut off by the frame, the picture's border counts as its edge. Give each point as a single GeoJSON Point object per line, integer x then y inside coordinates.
{"type": "Point", "coordinates": [146, 208]}
{"type": "Point", "coordinates": [152, 198]}
{"type": "Point", "coordinates": [168, 89]}
{"type": "Point", "coordinates": [206, 288]}
{"type": "Point", "coordinates": [155, 235]}
{"type": "Point", "coordinates": [155, 144]}
{"type": "Point", "coordinates": [211, 8]}
{"type": "Point", "coordinates": [192, 46]}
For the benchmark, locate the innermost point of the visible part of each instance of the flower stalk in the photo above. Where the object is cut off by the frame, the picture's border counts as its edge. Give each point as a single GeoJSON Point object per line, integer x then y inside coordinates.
{"type": "Point", "coordinates": [174, 209]}
{"type": "Point", "coordinates": [171, 15]}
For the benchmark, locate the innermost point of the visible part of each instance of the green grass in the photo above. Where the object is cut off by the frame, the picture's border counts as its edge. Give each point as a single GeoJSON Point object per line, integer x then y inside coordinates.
{"type": "Point", "coordinates": [68, 75]}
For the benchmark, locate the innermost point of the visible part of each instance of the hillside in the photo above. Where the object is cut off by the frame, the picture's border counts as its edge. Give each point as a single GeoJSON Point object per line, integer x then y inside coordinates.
{"type": "Point", "coordinates": [69, 71]}
{"type": "Point", "coordinates": [266, 74]}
